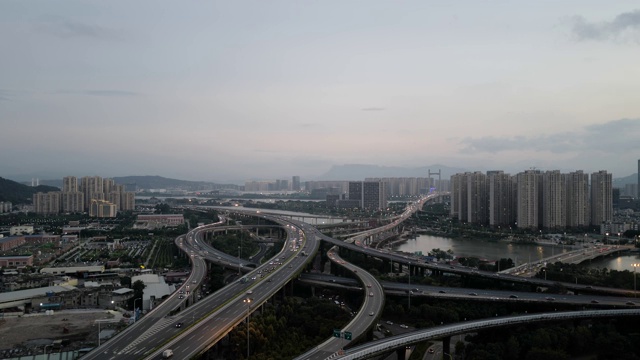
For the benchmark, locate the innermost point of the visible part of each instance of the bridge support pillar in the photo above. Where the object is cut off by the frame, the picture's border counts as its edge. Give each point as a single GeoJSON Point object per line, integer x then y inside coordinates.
{"type": "Point", "coordinates": [399, 267]}
{"type": "Point", "coordinates": [446, 347]}
{"type": "Point", "coordinates": [422, 271]}
{"type": "Point", "coordinates": [401, 353]}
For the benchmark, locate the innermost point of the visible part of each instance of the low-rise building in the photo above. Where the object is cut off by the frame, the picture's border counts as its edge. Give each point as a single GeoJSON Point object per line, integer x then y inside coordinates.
{"type": "Point", "coordinates": [155, 289]}
{"type": "Point", "coordinates": [11, 242]}
{"type": "Point", "coordinates": [153, 221]}
{"type": "Point", "coordinates": [21, 230]}
{"type": "Point", "coordinates": [16, 261]}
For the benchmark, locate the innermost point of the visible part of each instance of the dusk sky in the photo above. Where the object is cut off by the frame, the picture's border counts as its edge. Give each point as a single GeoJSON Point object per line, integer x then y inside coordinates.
{"type": "Point", "coordinates": [218, 90]}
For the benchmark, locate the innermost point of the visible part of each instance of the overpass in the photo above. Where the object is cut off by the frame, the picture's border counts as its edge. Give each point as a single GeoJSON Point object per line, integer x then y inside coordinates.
{"type": "Point", "coordinates": [571, 257]}
{"type": "Point", "coordinates": [221, 311]}
{"type": "Point", "coordinates": [445, 332]}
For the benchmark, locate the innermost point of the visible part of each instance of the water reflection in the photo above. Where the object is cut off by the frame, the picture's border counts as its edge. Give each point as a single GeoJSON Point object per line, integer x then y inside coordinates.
{"type": "Point", "coordinates": [489, 250]}
{"type": "Point", "coordinates": [619, 263]}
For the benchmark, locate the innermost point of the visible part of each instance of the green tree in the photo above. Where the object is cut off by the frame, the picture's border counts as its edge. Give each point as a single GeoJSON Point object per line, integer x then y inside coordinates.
{"type": "Point", "coordinates": [138, 291]}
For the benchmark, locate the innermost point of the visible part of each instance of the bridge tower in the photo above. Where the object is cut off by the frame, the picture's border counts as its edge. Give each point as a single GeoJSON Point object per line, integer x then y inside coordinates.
{"type": "Point", "coordinates": [439, 173]}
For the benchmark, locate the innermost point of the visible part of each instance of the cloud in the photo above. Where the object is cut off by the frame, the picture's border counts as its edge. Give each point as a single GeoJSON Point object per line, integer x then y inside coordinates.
{"type": "Point", "coordinates": [617, 136]}
{"type": "Point", "coordinates": [8, 95]}
{"type": "Point", "coordinates": [373, 109]}
{"type": "Point", "coordinates": [65, 28]}
{"type": "Point", "coordinates": [622, 26]}
{"type": "Point", "coordinates": [108, 93]}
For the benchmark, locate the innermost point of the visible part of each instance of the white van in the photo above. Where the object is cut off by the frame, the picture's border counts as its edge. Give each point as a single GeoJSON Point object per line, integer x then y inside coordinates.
{"type": "Point", "coordinates": [167, 354]}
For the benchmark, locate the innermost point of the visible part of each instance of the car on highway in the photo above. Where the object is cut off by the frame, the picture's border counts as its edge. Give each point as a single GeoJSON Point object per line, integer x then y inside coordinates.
{"type": "Point", "coordinates": [549, 298]}
{"type": "Point", "coordinates": [389, 322]}
{"type": "Point", "coordinates": [513, 296]}
{"type": "Point", "coordinates": [473, 294]}
{"type": "Point", "coordinates": [442, 292]}
{"type": "Point", "coordinates": [595, 301]}
{"type": "Point", "coordinates": [404, 326]}
{"type": "Point", "coordinates": [371, 294]}
{"type": "Point", "coordinates": [371, 313]}
{"type": "Point", "coordinates": [431, 351]}
{"type": "Point", "coordinates": [249, 291]}
{"type": "Point", "coordinates": [179, 325]}
{"type": "Point", "coordinates": [630, 303]}
{"type": "Point", "coordinates": [167, 354]}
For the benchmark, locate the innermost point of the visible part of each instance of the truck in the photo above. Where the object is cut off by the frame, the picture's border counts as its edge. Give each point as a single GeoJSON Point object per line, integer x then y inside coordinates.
{"type": "Point", "coordinates": [167, 354]}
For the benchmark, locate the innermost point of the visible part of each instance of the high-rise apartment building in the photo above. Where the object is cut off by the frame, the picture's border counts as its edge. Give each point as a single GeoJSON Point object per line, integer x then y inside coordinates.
{"type": "Point", "coordinates": [601, 197]}
{"type": "Point", "coordinates": [638, 197]}
{"type": "Point", "coordinates": [92, 188]}
{"type": "Point", "coordinates": [295, 183]}
{"type": "Point", "coordinates": [74, 198]}
{"type": "Point", "coordinates": [532, 199]}
{"type": "Point", "coordinates": [371, 194]}
{"type": "Point", "coordinates": [501, 198]}
{"type": "Point", "coordinates": [554, 200]}
{"type": "Point", "coordinates": [454, 208]}
{"type": "Point", "coordinates": [577, 199]}
{"type": "Point", "coordinates": [406, 186]}
{"type": "Point", "coordinates": [69, 184]}
{"type": "Point", "coordinates": [72, 201]}
{"type": "Point", "coordinates": [477, 198]}
{"type": "Point", "coordinates": [46, 203]}
{"type": "Point", "coordinates": [459, 196]}
{"type": "Point", "coordinates": [5, 206]}
{"type": "Point", "coordinates": [108, 185]}
{"type": "Point", "coordinates": [528, 199]}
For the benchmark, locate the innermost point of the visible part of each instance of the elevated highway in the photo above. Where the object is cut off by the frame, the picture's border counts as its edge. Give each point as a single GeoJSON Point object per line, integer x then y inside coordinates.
{"type": "Point", "coordinates": [366, 317]}
{"type": "Point", "coordinates": [386, 345]}
{"type": "Point", "coordinates": [451, 293]}
{"type": "Point", "coordinates": [226, 308]}
{"type": "Point", "coordinates": [211, 319]}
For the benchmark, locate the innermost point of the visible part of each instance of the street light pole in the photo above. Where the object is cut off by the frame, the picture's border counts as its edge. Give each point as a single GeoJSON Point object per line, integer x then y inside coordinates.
{"type": "Point", "coordinates": [634, 279]}
{"type": "Point", "coordinates": [134, 309]}
{"type": "Point", "coordinates": [248, 302]}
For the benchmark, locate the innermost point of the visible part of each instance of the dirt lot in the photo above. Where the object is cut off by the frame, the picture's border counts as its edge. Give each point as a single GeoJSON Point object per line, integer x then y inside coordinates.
{"type": "Point", "coordinates": [29, 334]}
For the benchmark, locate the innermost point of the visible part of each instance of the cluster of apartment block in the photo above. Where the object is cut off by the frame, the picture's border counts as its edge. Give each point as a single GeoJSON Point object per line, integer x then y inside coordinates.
{"type": "Point", "coordinates": [369, 195]}
{"type": "Point", "coordinates": [5, 207]}
{"type": "Point", "coordinates": [277, 185]}
{"type": "Point", "coordinates": [533, 199]}
{"type": "Point", "coordinates": [397, 186]}
{"type": "Point", "coordinates": [412, 186]}
{"type": "Point", "coordinates": [93, 194]}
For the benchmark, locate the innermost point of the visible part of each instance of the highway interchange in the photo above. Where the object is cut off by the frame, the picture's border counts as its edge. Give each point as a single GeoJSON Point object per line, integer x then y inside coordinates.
{"type": "Point", "coordinates": [210, 319]}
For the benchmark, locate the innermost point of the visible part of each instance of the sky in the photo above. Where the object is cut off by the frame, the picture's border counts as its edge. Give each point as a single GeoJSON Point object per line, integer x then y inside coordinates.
{"type": "Point", "coordinates": [221, 90]}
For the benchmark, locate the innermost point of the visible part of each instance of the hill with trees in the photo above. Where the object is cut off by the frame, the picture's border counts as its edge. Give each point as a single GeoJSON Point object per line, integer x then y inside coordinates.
{"type": "Point", "coordinates": [18, 193]}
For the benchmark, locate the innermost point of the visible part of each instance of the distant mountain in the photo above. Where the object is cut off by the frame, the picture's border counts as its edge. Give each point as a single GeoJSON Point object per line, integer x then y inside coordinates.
{"type": "Point", "coordinates": [360, 171]}
{"type": "Point", "coordinates": [18, 193]}
{"type": "Point", "coordinates": [621, 182]}
{"type": "Point", "coordinates": [159, 182]}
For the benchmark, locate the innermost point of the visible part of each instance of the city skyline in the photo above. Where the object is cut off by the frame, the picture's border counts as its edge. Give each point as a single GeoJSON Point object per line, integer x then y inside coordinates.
{"type": "Point", "coordinates": [226, 91]}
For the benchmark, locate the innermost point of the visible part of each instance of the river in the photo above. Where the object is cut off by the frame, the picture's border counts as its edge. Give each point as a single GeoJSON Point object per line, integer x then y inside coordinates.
{"type": "Point", "coordinates": [490, 250]}
{"type": "Point", "coordinates": [494, 250]}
